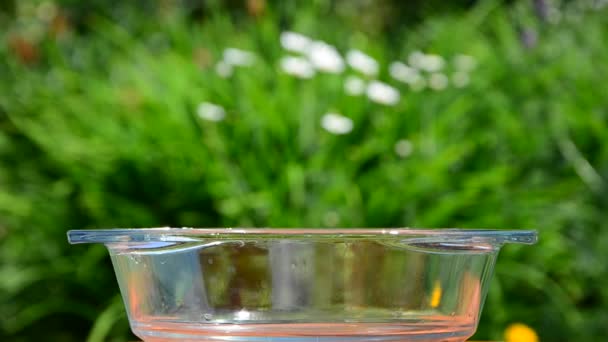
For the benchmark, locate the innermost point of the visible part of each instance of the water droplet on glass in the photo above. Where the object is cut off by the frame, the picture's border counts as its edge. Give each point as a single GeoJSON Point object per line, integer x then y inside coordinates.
{"type": "Point", "coordinates": [207, 317]}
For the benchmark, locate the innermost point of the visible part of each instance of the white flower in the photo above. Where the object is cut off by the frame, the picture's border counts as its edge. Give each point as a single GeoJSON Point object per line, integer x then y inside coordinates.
{"type": "Point", "coordinates": [210, 112]}
{"type": "Point", "coordinates": [438, 81]}
{"type": "Point", "coordinates": [297, 66]}
{"type": "Point", "coordinates": [464, 62]}
{"type": "Point", "coordinates": [223, 69]}
{"type": "Point", "coordinates": [361, 62]}
{"type": "Point", "coordinates": [431, 63]}
{"type": "Point", "coordinates": [295, 42]}
{"type": "Point", "coordinates": [354, 86]}
{"type": "Point", "coordinates": [403, 148]}
{"type": "Point", "coordinates": [325, 57]}
{"type": "Point", "coordinates": [460, 79]}
{"type": "Point", "coordinates": [415, 59]}
{"type": "Point", "coordinates": [336, 123]}
{"type": "Point", "coordinates": [403, 73]}
{"type": "Point", "coordinates": [238, 57]}
{"type": "Point", "coordinates": [382, 93]}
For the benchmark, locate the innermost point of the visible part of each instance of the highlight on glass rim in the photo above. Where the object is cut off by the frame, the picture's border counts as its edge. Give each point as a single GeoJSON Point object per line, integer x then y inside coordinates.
{"type": "Point", "coordinates": [299, 138]}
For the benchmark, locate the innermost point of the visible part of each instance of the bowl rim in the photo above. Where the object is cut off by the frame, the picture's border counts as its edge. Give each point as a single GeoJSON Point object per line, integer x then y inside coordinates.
{"type": "Point", "coordinates": [186, 234]}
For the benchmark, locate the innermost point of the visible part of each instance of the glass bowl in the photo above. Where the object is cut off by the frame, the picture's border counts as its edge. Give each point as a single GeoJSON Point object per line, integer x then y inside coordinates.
{"type": "Point", "coordinates": [296, 285]}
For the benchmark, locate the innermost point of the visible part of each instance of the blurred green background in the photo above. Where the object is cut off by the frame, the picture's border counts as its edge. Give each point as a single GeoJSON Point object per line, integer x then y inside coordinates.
{"type": "Point", "coordinates": [142, 113]}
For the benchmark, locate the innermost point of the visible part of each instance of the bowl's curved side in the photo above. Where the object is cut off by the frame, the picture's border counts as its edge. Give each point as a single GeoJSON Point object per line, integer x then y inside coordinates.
{"type": "Point", "coordinates": [293, 289]}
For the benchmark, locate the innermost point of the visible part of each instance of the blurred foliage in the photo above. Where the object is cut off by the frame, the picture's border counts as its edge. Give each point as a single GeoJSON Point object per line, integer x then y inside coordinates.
{"type": "Point", "coordinates": [98, 128]}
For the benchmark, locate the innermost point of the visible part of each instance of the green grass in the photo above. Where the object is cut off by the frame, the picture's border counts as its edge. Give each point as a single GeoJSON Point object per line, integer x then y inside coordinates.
{"type": "Point", "coordinates": [102, 131]}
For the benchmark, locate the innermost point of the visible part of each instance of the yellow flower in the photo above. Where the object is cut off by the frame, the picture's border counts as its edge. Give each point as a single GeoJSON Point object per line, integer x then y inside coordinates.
{"type": "Point", "coordinates": [436, 296]}
{"type": "Point", "coordinates": [518, 332]}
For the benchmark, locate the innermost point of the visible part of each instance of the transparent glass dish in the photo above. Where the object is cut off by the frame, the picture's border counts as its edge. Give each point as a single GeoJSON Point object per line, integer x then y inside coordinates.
{"type": "Point", "coordinates": [296, 285]}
